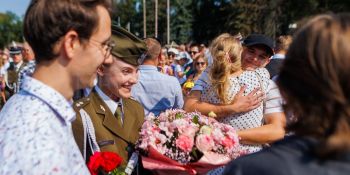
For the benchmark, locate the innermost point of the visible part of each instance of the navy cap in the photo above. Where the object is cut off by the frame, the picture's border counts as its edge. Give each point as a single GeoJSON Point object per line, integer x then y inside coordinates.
{"type": "Point", "coordinates": [259, 39]}
{"type": "Point", "coordinates": [15, 50]}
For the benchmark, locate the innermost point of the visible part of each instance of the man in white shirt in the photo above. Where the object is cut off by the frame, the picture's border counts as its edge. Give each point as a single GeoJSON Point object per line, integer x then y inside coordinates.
{"type": "Point", "coordinates": [71, 39]}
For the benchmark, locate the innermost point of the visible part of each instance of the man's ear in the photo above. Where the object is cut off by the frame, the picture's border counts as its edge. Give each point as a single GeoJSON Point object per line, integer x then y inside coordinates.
{"type": "Point", "coordinates": [159, 56]}
{"type": "Point", "coordinates": [101, 70]}
{"type": "Point", "coordinates": [71, 44]}
{"type": "Point", "coordinates": [267, 61]}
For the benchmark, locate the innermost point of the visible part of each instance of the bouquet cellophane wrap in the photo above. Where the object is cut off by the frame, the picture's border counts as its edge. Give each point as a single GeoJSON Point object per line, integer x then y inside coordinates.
{"type": "Point", "coordinates": [163, 165]}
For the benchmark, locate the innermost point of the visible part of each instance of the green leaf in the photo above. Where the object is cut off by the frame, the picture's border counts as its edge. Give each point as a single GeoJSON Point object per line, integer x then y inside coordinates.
{"type": "Point", "coordinates": [195, 119]}
{"type": "Point", "coordinates": [178, 116]}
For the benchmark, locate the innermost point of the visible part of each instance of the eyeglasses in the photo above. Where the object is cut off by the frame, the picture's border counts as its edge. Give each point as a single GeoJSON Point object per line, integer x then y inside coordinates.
{"type": "Point", "coordinates": [106, 46]}
{"type": "Point", "coordinates": [200, 63]}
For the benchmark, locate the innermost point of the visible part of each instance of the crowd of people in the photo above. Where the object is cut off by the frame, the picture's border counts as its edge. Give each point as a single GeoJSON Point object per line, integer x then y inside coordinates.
{"type": "Point", "coordinates": [70, 91]}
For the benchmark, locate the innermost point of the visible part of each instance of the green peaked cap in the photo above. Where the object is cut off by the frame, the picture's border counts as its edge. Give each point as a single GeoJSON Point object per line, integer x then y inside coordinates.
{"type": "Point", "coordinates": [128, 47]}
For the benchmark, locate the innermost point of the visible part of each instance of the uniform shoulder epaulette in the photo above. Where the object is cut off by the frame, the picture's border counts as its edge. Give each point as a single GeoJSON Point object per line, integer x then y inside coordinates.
{"type": "Point", "coordinates": [132, 98]}
{"type": "Point", "coordinates": [81, 102]}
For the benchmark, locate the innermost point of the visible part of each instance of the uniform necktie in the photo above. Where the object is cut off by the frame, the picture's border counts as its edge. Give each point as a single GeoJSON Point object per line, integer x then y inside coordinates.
{"type": "Point", "coordinates": [118, 114]}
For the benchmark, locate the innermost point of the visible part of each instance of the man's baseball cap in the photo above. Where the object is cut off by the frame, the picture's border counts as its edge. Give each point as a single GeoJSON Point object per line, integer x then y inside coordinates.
{"type": "Point", "coordinates": [259, 39]}
{"type": "Point", "coordinates": [181, 56]}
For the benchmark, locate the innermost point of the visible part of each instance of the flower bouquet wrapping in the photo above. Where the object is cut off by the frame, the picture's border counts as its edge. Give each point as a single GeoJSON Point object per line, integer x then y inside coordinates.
{"type": "Point", "coordinates": [177, 142]}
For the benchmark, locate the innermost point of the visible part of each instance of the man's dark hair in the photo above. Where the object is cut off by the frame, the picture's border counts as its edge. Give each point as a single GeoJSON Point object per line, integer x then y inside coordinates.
{"type": "Point", "coordinates": [46, 21]}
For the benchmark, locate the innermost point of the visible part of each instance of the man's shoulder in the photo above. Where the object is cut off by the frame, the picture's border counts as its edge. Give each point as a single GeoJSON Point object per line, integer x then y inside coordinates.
{"type": "Point", "coordinates": [164, 78]}
{"type": "Point", "coordinates": [24, 103]}
{"type": "Point", "coordinates": [27, 112]}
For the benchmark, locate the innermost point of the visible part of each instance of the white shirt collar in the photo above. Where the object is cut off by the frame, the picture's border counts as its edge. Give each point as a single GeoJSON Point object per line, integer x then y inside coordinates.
{"type": "Point", "coordinates": [17, 66]}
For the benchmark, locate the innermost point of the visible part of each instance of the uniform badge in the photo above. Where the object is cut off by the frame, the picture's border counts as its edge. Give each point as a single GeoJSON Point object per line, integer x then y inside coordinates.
{"type": "Point", "coordinates": [102, 108]}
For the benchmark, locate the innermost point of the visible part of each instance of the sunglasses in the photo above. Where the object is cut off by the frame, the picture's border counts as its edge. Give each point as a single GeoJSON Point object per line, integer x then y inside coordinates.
{"type": "Point", "coordinates": [200, 63]}
{"type": "Point", "coordinates": [171, 55]}
{"type": "Point", "coordinates": [192, 52]}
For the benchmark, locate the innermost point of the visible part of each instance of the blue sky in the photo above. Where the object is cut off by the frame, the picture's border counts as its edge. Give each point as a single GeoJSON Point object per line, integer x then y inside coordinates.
{"type": "Point", "coordinates": [18, 7]}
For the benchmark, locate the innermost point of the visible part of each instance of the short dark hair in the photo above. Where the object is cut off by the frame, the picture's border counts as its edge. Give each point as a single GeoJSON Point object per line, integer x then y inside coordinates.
{"type": "Point", "coordinates": [46, 21]}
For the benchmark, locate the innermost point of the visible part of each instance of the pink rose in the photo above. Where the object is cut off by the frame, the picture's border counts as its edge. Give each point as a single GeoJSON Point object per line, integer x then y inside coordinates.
{"type": "Point", "coordinates": [228, 142]}
{"type": "Point", "coordinates": [189, 130]}
{"type": "Point", "coordinates": [185, 143]}
{"type": "Point", "coordinates": [204, 142]}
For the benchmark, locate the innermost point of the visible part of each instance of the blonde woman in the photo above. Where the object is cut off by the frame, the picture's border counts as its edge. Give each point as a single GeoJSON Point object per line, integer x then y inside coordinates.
{"type": "Point", "coordinates": [225, 80]}
{"type": "Point", "coordinates": [223, 83]}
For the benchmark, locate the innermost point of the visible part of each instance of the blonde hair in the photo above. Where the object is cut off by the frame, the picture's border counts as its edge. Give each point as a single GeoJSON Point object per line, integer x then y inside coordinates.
{"type": "Point", "coordinates": [283, 42]}
{"type": "Point", "coordinates": [226, 52]}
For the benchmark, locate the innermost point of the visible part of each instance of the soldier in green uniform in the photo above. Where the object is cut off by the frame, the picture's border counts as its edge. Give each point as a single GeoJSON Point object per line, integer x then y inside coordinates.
{"type": "Point", "coordinates": [108, 119]}
{"type": "Point", "coordinates": [12, 72]}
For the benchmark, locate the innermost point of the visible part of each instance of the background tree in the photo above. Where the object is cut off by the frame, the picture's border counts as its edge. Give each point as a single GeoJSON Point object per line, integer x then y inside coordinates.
{"type": "Point", "coordinates": [10, 29]}
{"type": "Point", "coordinates": [201, 20]}
{"type": "Point", "coordinates": [181, 19]}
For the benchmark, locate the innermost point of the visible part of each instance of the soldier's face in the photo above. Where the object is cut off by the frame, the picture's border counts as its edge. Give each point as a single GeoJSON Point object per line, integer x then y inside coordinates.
{"type": "Point", "coordinates": [17, 58]}
{"type": "Point", "coordinates": [118, 78]}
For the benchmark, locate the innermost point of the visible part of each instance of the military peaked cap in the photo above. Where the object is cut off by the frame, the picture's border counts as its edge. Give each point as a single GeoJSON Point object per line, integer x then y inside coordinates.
{"type": "Point", "coordinates": [128, 47]}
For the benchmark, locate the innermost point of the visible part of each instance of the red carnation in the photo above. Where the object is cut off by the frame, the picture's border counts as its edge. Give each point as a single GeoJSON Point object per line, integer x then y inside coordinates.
{"type": "Point", "coordinates": [107, 161]}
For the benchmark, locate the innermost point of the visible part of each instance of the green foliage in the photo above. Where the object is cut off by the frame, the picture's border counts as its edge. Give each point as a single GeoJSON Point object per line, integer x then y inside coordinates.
{"type": "Point", "coordinates": [125, 13]}
{"type": "Point", "coordinates": [195, 119]}
{"type": "Point", "coordinates": [178, 116]}
{"type": "Point", "coordinates": [181, 21]}
{"type": "Point", "coordinates": [10, 29]}
{"type": "Point", "coordinates": [202, 20]}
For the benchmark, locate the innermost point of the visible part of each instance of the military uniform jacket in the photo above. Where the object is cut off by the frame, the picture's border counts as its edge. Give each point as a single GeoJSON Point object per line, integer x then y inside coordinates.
{"type": "Point", "coordinates": [12, 77]}
{"type": "Point", "coordinates": [108, 129]}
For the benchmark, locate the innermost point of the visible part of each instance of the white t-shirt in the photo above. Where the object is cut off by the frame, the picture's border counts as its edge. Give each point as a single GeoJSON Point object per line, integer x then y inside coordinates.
{"type": "Point", "coordinates": [179, 68]}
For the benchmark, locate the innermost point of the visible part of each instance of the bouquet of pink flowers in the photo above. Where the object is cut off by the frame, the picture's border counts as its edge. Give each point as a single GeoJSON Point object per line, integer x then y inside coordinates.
{"type": "Point", "coordinates": [179, 141]}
